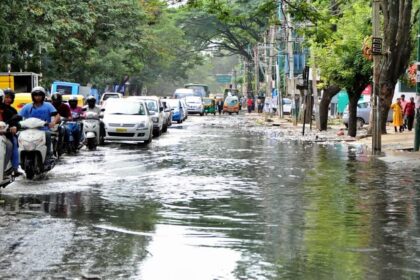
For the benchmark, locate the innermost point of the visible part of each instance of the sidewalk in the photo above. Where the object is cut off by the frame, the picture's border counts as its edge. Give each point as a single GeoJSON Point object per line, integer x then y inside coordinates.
{"type": "Point", "coordinates": [396, 147]}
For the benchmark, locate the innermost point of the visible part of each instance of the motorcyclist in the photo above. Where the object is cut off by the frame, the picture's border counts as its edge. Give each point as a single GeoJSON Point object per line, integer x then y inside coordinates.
{"type": "Point", "coordinates": [44, 111]}
{"type": "Point", "coordinates": [11, 117]}
{"type": "Point", "coordinates": [77, 115]}
{"type": "Point", "coordinates": [6, 115]}
{"type": "Point", "coordinates": [92, 107]}
{"type": "Point", "coordinates": [76, 111]}
{"type": "Point", "coordinates": [63, 111]}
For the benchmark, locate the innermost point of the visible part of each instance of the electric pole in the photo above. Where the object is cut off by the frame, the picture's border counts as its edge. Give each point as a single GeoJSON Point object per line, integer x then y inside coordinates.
{"type": "Point", "coordinates": [291, 61]}
{"type": "Point", "coordinates": [376, 52]}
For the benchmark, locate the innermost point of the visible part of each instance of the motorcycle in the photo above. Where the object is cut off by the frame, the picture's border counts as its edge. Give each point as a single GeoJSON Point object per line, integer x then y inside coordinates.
{"type": "Point", "coordinates": [71, 146]}
{"type": "Point", "coordinates": [6, 170]}
{"type": "Point", "coordinates": [33, 148]}
{"type": "Point", "coordinates": [91, 130]}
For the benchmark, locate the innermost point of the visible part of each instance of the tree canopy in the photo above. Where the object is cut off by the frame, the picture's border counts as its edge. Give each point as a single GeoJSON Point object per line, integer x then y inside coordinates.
{"type": "Point", "coordinates": [94, 41]}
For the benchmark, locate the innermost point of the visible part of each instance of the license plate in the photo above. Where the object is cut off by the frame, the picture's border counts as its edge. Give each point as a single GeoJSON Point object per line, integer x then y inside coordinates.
{"type": "Point", "coordinates": [121, 130]}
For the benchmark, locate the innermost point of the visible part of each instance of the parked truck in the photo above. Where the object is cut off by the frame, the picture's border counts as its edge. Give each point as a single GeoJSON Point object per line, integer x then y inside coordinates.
{"type": "Point", "coordinates": [19, 81]}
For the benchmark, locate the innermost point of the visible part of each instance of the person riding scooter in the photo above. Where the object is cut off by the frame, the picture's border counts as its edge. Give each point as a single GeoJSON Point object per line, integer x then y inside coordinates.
{"type": "Point", "coordinates": [92, 107]}
{"type": "Point", "coordinates": [63, 110]}
{"type": "Point", "coordinates": [44, 111]}
{"type": "Point", "coordinates": [11, 117]}
{"type": "Point", "coordinates": [77, 115]}
{"type": "Point", "coordinates": [6, 116]}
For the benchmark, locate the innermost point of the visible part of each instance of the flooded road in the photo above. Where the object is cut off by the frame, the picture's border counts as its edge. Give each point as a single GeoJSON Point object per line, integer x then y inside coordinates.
{"type": "Point", "coordinates": [208, 200]}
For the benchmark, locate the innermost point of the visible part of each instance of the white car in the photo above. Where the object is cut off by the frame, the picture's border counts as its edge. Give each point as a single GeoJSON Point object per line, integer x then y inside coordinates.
{"type": "Point", "coordinates": [127, 121]}
{"type": "Point", "coordinates": [109, 95]}
{"type": "Point", "coordinates": [156, 110]}
{"type": "Point", "coordinates": [195, 105]}
{"type": "Point", "coordinates": [287, 106]}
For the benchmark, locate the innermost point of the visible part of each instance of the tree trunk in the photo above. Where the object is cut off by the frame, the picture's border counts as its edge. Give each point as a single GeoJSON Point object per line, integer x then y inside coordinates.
{"type": "Point", "coordinates": [353, 99]}
{"type": "Point", "coordinates": [327, 96]}
{"type": "Point", "coordinates": [387, 92]}
{"type": "Point", "coordinates": [397, 46]}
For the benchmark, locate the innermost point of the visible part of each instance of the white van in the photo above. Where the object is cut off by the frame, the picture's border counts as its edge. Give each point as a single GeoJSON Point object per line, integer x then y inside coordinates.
{"type": "Point", "coordinates": [183, 92]}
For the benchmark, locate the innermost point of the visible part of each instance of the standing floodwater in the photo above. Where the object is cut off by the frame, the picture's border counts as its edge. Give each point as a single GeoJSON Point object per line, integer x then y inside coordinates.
{"type": "Point", "coordinates": [208, 202]}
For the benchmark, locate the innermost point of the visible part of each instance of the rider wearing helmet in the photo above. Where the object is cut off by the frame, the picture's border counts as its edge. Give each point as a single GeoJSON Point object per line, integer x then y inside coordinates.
{"type": "Point", "coordinates": [41, 110]}
{"type": "Point", "coordinates": [92, 107]}
{"type": "Point", "coordinates": [76, 111]}
{"type": "Point", "coordinates": [11, 117]}
{"type": "Point", "coordinates": [62, 109]}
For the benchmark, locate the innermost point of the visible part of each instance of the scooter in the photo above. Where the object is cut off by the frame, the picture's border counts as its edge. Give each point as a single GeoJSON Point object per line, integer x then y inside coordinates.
{"type": "Point", "coordinates": [33, 148]}
{"type": "Point", "coordinates": [6, 170]}
{"type": "Point", "coordinates": [71, 146]}
{"type": "Point", "coordinates": [91, 130]}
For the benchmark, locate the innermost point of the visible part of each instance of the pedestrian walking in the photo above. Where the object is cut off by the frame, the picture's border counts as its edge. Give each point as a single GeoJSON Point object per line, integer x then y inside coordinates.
{"type": "Point", "coordinates": [397, 116]}
{"type": "Point", "coordinates": [249, 104]}
{"type": "Point", "coordinates": [219, 106]}
{"type": "Point", "coordinates": [409, 112]}
{"type": "Point", "coordinates": [403, 104]}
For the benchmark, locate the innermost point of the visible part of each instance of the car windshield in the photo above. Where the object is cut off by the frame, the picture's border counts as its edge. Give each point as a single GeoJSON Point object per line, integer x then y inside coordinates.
{"type": "Point", "coordinates": [231, 101]}
{"type": "Point", "coordinates": [207, 101]}
{"type": "Point", "coordinates": [287, 101]}
{"type": "Point", "coordinates": [152, 105]}
{"type": "Point", "coordinates": [107, 96]}
{"type": "Point", "coordinates": [125, 108]}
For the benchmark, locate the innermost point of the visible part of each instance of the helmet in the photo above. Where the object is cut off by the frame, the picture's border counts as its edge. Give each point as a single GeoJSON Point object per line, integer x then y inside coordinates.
{"type": "Point", "coordinates": [73, 101]}
{"type": "Point", "coordinates": [10, 92]}
{"type": "Point", "coordinates": [91, 98]}
{"type": "Point", "coordinates": [91, 101]}
{"type": "Point", "coordinates": [38, 91]}
{"type": "Point", "coordinates": [57, 97]}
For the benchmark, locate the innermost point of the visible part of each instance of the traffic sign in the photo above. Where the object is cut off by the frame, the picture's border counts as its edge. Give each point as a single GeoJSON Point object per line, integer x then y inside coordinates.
{"type": "Point", "coordinates": [223, 78]}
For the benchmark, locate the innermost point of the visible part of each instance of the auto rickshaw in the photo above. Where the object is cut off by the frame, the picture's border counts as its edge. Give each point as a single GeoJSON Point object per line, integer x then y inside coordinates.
{"type": "Point", "coordinates": [231, 105]}
{"type": "Point", "coordinates": [209, 106]}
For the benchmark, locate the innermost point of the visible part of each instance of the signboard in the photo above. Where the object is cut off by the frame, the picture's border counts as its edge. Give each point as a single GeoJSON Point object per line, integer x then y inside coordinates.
{"type": "Point", "coordinates": [376, 46]}
{"type": "Point", "coordinates": [223, 78]}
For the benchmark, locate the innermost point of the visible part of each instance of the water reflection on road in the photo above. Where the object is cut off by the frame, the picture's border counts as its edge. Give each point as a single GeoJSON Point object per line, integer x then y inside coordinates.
{"type": "Point", "coordinates": [208, 202]}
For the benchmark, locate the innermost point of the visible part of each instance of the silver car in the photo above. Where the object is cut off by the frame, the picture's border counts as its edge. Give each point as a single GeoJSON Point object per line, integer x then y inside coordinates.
{"type": "Point", "coordinates": [362, 115]}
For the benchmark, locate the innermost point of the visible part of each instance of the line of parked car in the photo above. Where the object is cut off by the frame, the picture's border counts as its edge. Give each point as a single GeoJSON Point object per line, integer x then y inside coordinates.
{"type": "Point", "coordinates": [140, 118]}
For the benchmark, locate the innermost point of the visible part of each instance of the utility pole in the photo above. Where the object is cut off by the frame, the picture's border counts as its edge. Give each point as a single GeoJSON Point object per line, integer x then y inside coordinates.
{"type": "Point", "coordinates": [257, 72]}
{"type": "Point", "coordinates": [278, 64]}
{"type": "Point", "coordinates": [292, 88]}
{"type": "Point", "coordinates": [315, 89]}
{"type": "Point", "coordinates": [417, 135]}
{"type": "Point", "coordinates": [376, 52]}
{"type": "Point", "coordinates": [269, 71]}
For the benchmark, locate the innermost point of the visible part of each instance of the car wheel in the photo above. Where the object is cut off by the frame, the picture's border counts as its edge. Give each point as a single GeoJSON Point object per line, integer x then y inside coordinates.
{"type": "Point", "coordinates": [148, 141]}
{"type": "Point", "coordinates": [165, 128]}
{"type": "Point", "coordinates": [360, 122]}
